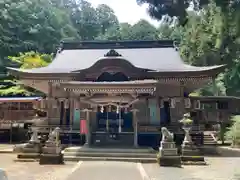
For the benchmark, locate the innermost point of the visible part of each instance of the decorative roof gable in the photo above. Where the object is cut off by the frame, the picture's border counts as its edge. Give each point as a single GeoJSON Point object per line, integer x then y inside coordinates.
{"type": "Point", "coordinates": [112, 53]}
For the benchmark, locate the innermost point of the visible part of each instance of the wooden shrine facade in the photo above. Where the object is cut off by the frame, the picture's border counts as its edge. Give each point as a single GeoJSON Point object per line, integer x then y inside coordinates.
{"type": "Point", "coordinates": [145, 83]}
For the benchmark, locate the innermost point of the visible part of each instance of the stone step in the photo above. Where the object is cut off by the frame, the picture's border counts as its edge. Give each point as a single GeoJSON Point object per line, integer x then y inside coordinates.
{"type": "Point", "coordinates": [125, 159]}
{"type": "Point", "coordinates": [110, 150]}
{"type": "Point", "coordinates": [110, 154]}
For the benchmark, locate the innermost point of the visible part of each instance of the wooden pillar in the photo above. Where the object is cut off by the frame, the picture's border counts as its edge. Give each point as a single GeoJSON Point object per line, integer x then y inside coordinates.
{"type": "Point", "coordinates": [135, 127]}
{"type": "Point", "coordinates": [49, 102]}
{"type": "Point", "coordinates": [72, 107]}
{"type": "Point", "coordinates": [88, 134]}
{"type": "Point", "coordinates": [182, 110]}
{"type": "Point", "coordinates": [158, 109]}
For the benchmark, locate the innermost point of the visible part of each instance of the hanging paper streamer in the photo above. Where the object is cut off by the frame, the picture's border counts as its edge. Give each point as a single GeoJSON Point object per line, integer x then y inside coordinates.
{"type": "Point", "coordinates": [173, 103]}
{"type": "Point", "coordinates": [187, 103]}
{"type": "Point", "coordinates": [109, 108]}
{"type": "Point", "coordinates": [197, 104]}
{"type": "Point", "coordinates": [125, 110]}
{"type": "Point", "coordinates": [102, 109]}
{"type": "Point", "coordinates": [117, 111]}
{"type": "Point", "coordinates": [66, 104]}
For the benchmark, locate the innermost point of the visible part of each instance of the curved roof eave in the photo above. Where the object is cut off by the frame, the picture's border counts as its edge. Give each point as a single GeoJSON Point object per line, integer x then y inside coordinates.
{"type": "Point", "coordinates": [43, 70]}
{"type": "Point", "coordinates": [189, 68]}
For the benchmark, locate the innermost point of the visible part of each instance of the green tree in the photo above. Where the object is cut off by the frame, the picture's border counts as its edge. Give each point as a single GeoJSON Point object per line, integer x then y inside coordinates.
{"type": "Point", "coordinates": [31, 60]}
{"type": "Point", "coordinates": [143, 30]}
{"type": "Point", "coordinates": [32, 25]}
{"type": "Point", "coordinates": [10, 86]}
{"type": "Point", "coordinates": [106, 18]}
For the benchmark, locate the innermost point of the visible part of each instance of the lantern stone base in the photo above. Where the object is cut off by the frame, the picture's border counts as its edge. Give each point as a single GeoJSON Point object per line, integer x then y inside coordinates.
{"type": "Point", "coordinates": [191, 154]}
{"type": "Point", "coordinates": [51, 159]}
{"type": "Point", "coordinates": [189, 149]}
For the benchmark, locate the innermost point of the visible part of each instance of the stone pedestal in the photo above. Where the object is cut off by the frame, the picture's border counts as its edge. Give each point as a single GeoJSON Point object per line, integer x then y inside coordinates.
{"type": "Point", "coordinates": [51, 152]}
{"type": "Point", "coordinates": [32, 149]}
{"type": "Point", "coordinates": [168, 153]}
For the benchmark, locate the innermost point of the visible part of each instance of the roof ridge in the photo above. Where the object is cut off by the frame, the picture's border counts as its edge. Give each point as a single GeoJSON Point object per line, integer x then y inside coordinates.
{"type": "Point", "coordinates": [68, 45]}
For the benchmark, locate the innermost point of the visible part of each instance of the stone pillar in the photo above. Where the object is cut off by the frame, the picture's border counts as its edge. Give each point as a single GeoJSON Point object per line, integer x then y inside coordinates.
{"type": "Point", "coordinates": [135, 127]}
{"type": "Point", "coordinates": [88, 134]}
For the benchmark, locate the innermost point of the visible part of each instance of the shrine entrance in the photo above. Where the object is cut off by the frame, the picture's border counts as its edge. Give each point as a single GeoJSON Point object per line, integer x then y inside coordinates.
{"type": "Point", "coordinates": [113, 119]}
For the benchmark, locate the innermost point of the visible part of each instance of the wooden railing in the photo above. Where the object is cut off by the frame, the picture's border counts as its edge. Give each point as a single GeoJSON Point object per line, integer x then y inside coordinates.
{"type": "Point", "coordinates": [49, 128]}
{"type": "Point", "coordinates": [17, 114]}
{"type": "Point", "coordinates": [172, 128]}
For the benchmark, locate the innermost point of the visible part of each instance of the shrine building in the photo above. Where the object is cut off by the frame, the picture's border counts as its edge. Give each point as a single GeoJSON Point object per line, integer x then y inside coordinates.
{"type": "Point", "coordinates": [125, 90]}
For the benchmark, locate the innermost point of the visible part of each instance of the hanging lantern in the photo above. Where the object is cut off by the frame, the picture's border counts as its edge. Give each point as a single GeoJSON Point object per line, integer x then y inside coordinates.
{"type": "Point", "coordinates": [66, 103]}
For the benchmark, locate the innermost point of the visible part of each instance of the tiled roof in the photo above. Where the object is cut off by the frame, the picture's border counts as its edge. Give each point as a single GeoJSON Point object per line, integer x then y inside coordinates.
{"type": "Point", "coordinates": [160, 56]}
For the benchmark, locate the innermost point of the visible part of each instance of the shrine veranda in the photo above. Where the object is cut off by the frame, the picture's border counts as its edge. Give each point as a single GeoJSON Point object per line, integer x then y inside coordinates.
{"type": "Point", "coordinates": [125, 90]}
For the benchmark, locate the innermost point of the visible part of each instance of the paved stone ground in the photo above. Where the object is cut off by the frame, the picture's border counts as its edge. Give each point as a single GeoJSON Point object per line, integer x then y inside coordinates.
{"type": "Point", "coordinates": [104, 170]}
{"type": "Point", "coordinates": [32, 170]}
{"type": "Point", "coordinates": [218, 169]}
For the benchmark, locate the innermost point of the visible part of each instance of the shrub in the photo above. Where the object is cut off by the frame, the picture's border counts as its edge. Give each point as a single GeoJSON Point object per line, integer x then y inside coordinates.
{"type": "Point", "coordinates": [233, 133]}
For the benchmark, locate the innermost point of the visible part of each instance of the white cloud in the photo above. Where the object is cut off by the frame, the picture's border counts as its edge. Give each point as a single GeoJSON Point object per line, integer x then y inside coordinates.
{"type": "Point", "coordinates": [126, 10]}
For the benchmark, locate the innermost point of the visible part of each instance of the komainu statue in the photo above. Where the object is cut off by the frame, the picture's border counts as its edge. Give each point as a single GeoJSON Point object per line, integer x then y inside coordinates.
{"type": "Point", "coordinates": [53, 144]}
{"type": "Point", "coordinates": [167, 136]}
{"type": "Point", "coordinates": [33, 146]}
{"type": "Point", "coordinates": [54, 135]}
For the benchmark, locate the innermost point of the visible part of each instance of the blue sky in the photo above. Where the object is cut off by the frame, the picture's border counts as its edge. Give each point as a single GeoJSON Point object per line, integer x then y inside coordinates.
{"type": "Point", "coordinates": [130, 13]}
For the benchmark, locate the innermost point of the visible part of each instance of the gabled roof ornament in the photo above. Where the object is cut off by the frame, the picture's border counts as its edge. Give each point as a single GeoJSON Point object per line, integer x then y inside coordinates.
{"type": "Point", "coordinates": [112, 53]}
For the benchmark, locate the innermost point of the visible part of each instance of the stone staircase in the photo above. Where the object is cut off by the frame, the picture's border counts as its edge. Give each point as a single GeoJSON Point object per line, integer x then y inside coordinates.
{"type": "Point", "coordinates": [109, 154]}
{"type": "Point", "coordinates": [209, 144]}
{"type": "Point", "coordinates": [209, 139]}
